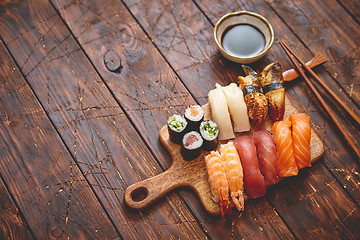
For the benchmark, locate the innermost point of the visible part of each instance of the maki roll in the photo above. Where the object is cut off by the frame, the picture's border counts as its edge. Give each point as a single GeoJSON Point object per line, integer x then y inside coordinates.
{"type": "Point", "coordinates": [194, 115]}
{"type": "Point", "coordinates": [209, 132]}
{"type": "Point", "coordinates": [191, 145]}
{"type": "Point", "coordinates": [176, 127]}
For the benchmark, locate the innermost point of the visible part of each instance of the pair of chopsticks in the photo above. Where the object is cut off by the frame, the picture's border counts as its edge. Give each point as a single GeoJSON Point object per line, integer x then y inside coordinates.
{"type": "Point", "coordinates": [346, 135]}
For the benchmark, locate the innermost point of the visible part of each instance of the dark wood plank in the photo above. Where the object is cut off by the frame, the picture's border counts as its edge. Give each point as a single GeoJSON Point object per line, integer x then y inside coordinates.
{"type": "Point", "coordinates": [93, 126]}
{"type": "Point", "coordinates": [12, 226]}
{"type": "Point", "coordinates": [148, 89]}
{"type": "Point", "coordinates": [316, 209]}
{"type": "Point", "coordinates": [353, 7]}
{"type": "Point", "coordinates": [184, 36]}
{"type": "Point", "coordinates": [148, 93]}
{"type": "Point", "coordinates": [41, 175]}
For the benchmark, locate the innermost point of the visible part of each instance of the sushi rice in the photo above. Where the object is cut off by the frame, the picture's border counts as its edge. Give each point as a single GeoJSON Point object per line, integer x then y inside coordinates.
{"type": "Point", "coordinates": [210, 132]}
{"type": "Point", "coordinates": [191, 145]}
{"type": "Point", "coordinates": [176, 127]}
{"type": "Point", "coordinates": [194, 114]}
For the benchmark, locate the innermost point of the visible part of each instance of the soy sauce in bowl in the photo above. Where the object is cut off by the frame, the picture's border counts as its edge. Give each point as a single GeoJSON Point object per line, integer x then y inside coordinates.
{"type": "Point", "coordinates": [243, 37]}
{"type": "Point", "coordinates": [243, 40]}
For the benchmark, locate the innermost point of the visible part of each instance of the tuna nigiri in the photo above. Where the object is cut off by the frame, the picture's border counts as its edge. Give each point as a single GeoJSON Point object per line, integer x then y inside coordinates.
{"type": "Point", "coordinates": [285, 151]}
{"type": "Point", "coordinates": [234, 173]}
{"type": "Point", "coordinates": [218, 182]}
{"type": "Point", "coordinates": [254, 183]}
{"type": "Point", "coordinates": [266, 152]}
{"type": "Point", "coordinates": [301, 134]}
{"type": "Point", "coordinates": [220, 113]}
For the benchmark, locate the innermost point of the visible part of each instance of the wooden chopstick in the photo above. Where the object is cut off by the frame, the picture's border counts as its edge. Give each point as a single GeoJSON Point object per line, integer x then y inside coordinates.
{"type": "Point", "coordinates": [346, 135]}
{"type": "Point", "coordinates": [323, 84]}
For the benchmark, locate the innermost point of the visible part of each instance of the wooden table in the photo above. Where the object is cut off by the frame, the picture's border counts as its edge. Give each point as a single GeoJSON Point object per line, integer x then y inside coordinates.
{"type": "Point", "coordinates": [85, 86]}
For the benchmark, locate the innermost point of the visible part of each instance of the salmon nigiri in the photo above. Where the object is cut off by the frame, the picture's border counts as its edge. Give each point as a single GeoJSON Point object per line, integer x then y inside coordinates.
{"type": "Point", "coordinates": [285, 151]}
{"type": "Point", "coordinates": [301, 134]}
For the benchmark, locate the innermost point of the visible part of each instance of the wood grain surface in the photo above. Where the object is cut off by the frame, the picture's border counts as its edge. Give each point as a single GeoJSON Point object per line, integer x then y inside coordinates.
{"type": "Point", "coordinates": [48, 187]}
{"type": "Point", "coordinates": [86, 85]}
{"type": "Point", "coordinates": [12, 225]}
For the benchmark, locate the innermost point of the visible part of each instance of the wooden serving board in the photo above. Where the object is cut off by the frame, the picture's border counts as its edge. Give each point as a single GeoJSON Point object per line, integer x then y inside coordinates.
{"type": "Point", "coordinates": [192, 174]}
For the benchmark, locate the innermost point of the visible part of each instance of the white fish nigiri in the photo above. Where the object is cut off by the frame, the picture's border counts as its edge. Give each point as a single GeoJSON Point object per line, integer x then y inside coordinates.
{"type": "Point", "coordinates": [220, 113]}
{"type": "Point", "coordinates": [237, 107]}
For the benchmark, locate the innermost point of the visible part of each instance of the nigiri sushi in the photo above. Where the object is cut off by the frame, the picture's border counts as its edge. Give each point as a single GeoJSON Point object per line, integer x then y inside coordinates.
{"type": "Point", "coordinates": [301, 134]}
{"type": "Point", "coordinates": [254, 182]}
{"type": "Point", "coordinates": [285, 151]}
{"type": "Point", "coordinates": [266, 152]}
{"type": "Point", "coordinates": [220, 113]}
{"type": "Point", "coordinates": [272, 85]}
{"type": "Point", "coordinates": [234, 173]}
{"type": "Point", "coordinates": [237, 107]}
{"type": "Point", "coordinates": [218, 183]}
{"type": "Point", "coordinates": [256, 102]}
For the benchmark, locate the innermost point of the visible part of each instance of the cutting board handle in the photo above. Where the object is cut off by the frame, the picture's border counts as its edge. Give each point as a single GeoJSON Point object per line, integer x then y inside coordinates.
{"type": "Point", "coordinates": [142, 194]}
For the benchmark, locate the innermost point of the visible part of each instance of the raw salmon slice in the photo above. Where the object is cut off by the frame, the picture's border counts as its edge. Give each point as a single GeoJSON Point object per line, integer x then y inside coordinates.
{"type": "Point", "coordinates": [285, 151]}
{"type": "Point", "coordinates": [194, 111]}
{"type": "Point", "coordinates": [301, 134]}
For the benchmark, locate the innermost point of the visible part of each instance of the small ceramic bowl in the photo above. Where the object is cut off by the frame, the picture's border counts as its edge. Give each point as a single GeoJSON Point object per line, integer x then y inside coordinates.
{"type": "Point", "coordinates": [244, 17]}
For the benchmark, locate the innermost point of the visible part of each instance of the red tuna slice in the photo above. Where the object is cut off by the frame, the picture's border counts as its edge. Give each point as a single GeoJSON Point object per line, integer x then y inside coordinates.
{"type": "Point", "coordinates": [190, 140]}
{"type": "Point", "coordinates": [266, 152]}
{"type": "Point", "coordinates": [254, 183]}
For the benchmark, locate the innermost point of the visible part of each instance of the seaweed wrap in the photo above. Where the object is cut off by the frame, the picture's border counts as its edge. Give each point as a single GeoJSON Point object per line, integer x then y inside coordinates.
{"type": "Point", "coordinates": [194, 115]}
{"type": "Point", "coordinates": [209, 132]}
{"type": "Point", "coordinates": [176, 127]}
{"type": "Point", "coordinates": [191, 145]}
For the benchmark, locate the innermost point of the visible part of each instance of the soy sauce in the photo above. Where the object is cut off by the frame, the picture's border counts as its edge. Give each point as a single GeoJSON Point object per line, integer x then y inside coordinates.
{"type": "Point", "coordinates": [243, 40]}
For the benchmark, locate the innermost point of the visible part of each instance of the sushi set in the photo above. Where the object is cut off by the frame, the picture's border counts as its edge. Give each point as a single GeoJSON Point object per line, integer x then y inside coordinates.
{"type": "Point", "coordinates": [246, 139]}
